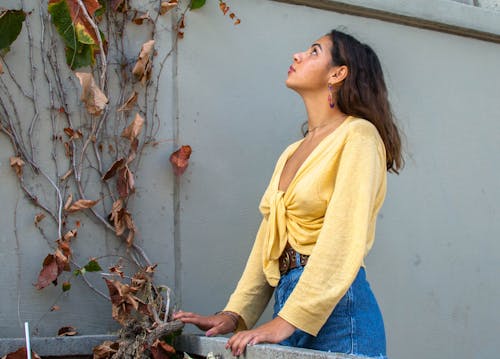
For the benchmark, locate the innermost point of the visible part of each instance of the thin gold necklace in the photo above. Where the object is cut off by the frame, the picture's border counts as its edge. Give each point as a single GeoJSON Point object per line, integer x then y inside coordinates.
{"type": "Point", "coordinates": [309, 130]}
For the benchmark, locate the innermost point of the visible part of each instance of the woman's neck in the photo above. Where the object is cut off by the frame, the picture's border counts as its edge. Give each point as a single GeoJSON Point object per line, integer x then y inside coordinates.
{"type": "Point", "coordinates": [319, 112]}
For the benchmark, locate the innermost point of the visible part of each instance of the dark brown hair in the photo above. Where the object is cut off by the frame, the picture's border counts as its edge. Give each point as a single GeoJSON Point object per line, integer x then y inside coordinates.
{"type": "Point", "coordinates": [364, 93]}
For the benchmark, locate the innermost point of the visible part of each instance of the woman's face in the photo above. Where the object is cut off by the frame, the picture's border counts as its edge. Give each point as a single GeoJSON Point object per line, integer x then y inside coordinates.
{"type": "Point", "coordinates": [312, 68]}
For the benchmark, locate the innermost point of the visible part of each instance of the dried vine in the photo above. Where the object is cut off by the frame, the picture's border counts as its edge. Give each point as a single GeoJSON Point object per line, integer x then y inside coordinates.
{"type": "Point", "coordinates": [98, 140]}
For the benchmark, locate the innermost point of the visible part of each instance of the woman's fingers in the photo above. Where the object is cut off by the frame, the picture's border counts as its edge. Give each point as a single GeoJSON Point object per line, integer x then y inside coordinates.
{"type": "Point", "coordinates": [238, 342]}
{"type": "Point", "coordinates": [274, 331]}
{"type": "Point", "coordinates": [200, 321]}
{"type": "Point", "coordinates": [220, 328]}
{"type": "Point", "coordinates": [213, 324]}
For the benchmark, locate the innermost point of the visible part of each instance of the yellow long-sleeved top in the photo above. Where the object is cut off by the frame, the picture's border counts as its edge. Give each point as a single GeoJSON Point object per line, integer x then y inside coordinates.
{"type": "Point", "coordinates": [329, 212]}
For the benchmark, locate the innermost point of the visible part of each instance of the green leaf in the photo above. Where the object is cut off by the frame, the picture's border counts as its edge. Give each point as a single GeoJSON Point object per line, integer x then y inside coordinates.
{"type": "Point", "coordinates": [77, 272]}
{"type": "Point", "coordinates": [11, 22]}
{"type": "Point", "coordinates": [99, 12]}
{"type": "Point", "coordinates": [196, 4]}
{"type": "Point", "coordinates": [92, 266]}
{"type": "Point", "coordinates": [84, 56]}
{"type": "Point", "coordinates": [66, 286]}
{"type": "Point", "coordinates": [80, 46]}
{"type": "Point", "coordinates": [59, 12]}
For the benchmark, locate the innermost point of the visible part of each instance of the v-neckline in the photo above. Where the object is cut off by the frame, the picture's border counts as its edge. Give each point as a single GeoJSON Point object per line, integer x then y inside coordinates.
{"type": "Point", "coordinates": [309, 156]}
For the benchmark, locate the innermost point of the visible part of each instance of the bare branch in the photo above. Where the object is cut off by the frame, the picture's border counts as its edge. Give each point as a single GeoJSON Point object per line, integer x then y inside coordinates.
{"type": "Point", "coordinates": [12, 76]}
{"type": "Point", "coordinates": [36, 114]}
{"type": "Point", "coordinates": [98, 36]}
{"type": "Point", "coordinates": [37, 203]}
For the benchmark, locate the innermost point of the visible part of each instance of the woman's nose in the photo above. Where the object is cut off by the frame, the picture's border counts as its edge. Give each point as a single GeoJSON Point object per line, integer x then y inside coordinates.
{"type": "Point", "coordinates": [296, 57]}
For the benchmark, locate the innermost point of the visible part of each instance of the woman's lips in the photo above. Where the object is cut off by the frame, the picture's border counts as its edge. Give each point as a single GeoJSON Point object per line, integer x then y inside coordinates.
{"type": "Point", "coordinates": [291, 69]}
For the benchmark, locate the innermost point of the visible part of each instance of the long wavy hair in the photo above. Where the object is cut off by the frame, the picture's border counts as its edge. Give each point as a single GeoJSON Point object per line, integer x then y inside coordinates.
{"type": "Point", "coordinates": [364, 93]}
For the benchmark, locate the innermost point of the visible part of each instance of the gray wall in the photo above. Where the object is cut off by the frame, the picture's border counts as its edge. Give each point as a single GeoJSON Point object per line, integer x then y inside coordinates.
{"type": "Point", "coordinates": [435, 260]}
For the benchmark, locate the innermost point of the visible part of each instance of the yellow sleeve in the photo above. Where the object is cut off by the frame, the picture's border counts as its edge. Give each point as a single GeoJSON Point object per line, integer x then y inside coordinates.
{"type": "Point", "coordinates": [346, 235]}
{"type": "Point", "coordinates": [252, 292]}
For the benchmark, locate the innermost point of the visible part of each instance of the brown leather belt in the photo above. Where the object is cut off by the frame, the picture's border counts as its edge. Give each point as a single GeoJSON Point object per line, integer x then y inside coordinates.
{"type": "Point", "coordinates": [288, 260]}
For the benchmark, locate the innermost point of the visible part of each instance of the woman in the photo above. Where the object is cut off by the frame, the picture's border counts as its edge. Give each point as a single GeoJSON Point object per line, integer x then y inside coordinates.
{"type": "Point", "coordinates": [319, 213]}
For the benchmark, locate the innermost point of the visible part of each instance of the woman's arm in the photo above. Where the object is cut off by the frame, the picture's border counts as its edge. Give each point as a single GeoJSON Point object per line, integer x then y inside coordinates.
{"type": "Point", "coordinates": [253, 291]}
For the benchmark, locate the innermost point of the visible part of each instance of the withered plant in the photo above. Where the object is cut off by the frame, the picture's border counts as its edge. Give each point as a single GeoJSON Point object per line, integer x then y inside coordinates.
{"type": "Point", "coordinates": [95, 143]}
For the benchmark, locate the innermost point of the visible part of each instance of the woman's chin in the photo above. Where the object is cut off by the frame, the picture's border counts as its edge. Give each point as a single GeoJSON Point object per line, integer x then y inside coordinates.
{"type": "Point", "coordinates": [289, 84]}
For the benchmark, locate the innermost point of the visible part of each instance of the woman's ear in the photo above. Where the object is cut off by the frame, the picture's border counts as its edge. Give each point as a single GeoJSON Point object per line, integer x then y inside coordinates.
{"type": "Point", "coordinates": [338, 74]}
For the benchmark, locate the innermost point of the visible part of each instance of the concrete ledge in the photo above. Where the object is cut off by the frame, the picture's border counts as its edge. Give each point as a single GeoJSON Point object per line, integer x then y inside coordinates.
{"type": "Point", "coordinates": [201, 345]}
{"type": "Point", "coordinates": [59, 347]}
{"type": "Point", "coordinates": [438, 15]}
{"type": "Point", "coordinates": [81, 347]}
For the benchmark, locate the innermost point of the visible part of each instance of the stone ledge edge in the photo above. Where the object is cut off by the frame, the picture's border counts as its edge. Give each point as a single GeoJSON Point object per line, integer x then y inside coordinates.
{"type": "Point", "coordinates": [56, 346]}
{"type": "Point", "coordinates": [438, 15]}
{"type": "Point", "coordinates": [82, 345]}
{"type": "Point", "coordinates": [201, 345]}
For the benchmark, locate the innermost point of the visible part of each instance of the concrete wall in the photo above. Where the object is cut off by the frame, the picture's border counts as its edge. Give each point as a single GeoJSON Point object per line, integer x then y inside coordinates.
{"type": "Point", "coordinates": [435, 260]}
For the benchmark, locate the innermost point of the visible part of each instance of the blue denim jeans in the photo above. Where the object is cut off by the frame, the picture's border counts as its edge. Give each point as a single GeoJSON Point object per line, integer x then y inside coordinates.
{"type": "Point", "coordinates": [355, 326]}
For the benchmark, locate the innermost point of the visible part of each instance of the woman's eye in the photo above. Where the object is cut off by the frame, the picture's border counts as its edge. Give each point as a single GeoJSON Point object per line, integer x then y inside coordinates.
{"type": "Point", "coordinates": [314, 51]}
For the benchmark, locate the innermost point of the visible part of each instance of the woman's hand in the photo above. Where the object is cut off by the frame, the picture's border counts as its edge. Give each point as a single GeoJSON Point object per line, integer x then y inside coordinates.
{"type": "Point", "coordinates": [217, 324]}
{"type": "Point", "coordinates": [273, 331]}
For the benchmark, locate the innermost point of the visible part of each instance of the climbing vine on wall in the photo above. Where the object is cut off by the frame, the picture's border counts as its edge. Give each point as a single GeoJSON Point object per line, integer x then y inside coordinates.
{"type": "Point", "coordinates": [95, 144]}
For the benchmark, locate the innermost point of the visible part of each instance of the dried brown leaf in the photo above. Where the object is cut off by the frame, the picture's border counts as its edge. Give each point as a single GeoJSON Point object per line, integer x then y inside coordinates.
{"type": "Point", "coordinates": [38, 218]}
{"type": "Point", "coordinates": [81, 204]}
{"type": "Point", "coordinates": [139, 19]}
{"type": "Point", "coordinates": [49, 272]}
{"type": "Point", "coordinates": [134, 144]}
{"type": "Point", "coordinates": [72, 134]}
{"type": "Point", "coordinates": [129, 104]}
{"type": "Point", "coordinates": [106, 350]}
{"type": "Point", "coordinates": [134, 129]}
{"type": "Point", "coordinates": [117, 269]}
{"type": "Point", "coordinates": [237, 22]}
{"type": "Point", "coordinates": [62, 261]}
{"type": "Point", "coordinates": [67, 174]}
{"type": "Point", "coordinates": [116, 217]}
{"type": "Point", "coordinates": [223, 7]}
{"type": "Point", "coordinates": [55, 308]}
{"type": "Point", "coordinates": [68, 202]}
{"type": "Point", "coordinates": [125, 183]}
{"type": "Point", "coordinates": [21, 353]}
{"type": "Point", "coordinates": [1, 68]}
{"type": "Point", "coordinates": [64, 248]}
{"type": "Point", "coordinates": [92, 96]}
{"type": "Point", "coordinates": [166, 6]}
{"type": "Point", "coordinates": [142, 69]}
{"type": "Point", "coordinates": [180, 159]}
{"type": "Point", "coordinates": [161, 350]}
{"type": "Point", "coordinates": [68, 150]}
{"type": "Point", "coordinates": [112, 170]}
{"type": "Point", "coordinates": [70, 234]}
{"type": "Point", "coordinates": [129, 223]}
{"type": "Point", "coordinates": [67, 332]}
{"type": "Point", "coordinates": [122, 298]}
{"type": "Point", "coordinates": [17, 165]}
{"type": "Point", "coordinates": [130, 237]}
